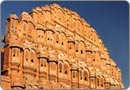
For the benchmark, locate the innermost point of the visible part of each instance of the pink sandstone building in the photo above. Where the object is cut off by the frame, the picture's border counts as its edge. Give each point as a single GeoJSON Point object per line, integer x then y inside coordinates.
{"type": "Point", "coordinates": [53, 47]}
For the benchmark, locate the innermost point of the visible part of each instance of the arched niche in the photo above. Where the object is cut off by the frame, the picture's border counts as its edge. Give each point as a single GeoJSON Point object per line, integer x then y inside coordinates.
{"type": "Point", "coordinates": [33, 59]}
{"type": "Point", "coordinates": [50, 37]}
{"type": "Point", "coordinates": [81, 70]}
{"type": "Point", "coordinates": [16, 53]}
{"type": "Point", "coordinates": [26, 57]}
{"type": "Point", "coordinates": [66, 68]}
{"type": "Point", "coordinates": [60, 67]}
{"type": "Point", "coordinates": [63, 40]}
{"type": "Point", "coordinates": [41, 35]}
{"type": "Point", "coordinates": [30, 29]}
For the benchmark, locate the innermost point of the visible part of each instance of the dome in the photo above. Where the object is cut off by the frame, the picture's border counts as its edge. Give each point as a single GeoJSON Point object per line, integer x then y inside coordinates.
{"type": "Point", "coordinates": [14, 16]}
{"type": "Point", "coordinates": [25, 16]}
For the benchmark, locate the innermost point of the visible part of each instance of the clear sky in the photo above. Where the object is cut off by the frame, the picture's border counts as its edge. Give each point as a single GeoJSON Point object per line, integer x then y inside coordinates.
{"type": "Point", "coordinates": [110, 19]}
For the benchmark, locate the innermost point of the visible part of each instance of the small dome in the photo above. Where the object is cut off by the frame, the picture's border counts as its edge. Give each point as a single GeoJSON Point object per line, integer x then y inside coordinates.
{"type": "Point", "coordinates": [13, 16]}
{"type": "Point", "coordinates": [55, 5]}
{"type": "Point", "coordinates": [25, 16]}
{"type": "Point", "coordinates": [38, 9]}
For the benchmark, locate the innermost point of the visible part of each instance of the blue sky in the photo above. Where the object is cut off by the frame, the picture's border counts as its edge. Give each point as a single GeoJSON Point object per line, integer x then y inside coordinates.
{"type": "Point", "coordinates": [110, 19]}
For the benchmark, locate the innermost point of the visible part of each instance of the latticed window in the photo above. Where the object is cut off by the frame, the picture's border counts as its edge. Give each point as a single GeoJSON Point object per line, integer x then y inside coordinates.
{"type": "Point", "coordinates": [80, 73]}
{"type": "Point", "coordinates": [50, 36]}
{"type": "Point", "coordinates": [89, 54]}
{"type": "Point", "coordinates": [74, 74]}
{"type": "Point", "coordinates": [32, 56]}
{"type": "Point", "coordinates": [97, 81]}
{"type": "Point", "coordinates": [66, 69]}
{"type": "Point", "coordinates": [18, 52]}
{"type": "Point", "coordinates": [60, 68]}
{"type": "Point", "coordinates": [81, 51]}
{"type": "Point", "coordinates": [70, 45]}
{"type": "Point", "coordinates": [102, 82]}
{"type": "Point", "coordinates": [44, 63]}
{"type": "Point", "coordinates": [52, 65]}
{"type": "Point", "coordinates": [76, 47]}
{"type": "Point", "coordinates": [57, 37]}
{"type": "Point", "coordinates": [26, 55]}
{"type": "Point", "coordinates": [63, 39]}
{"type": "Point", "coordinates": [85, 76]}
{"type": "Point", "coordinates": [14, 52]}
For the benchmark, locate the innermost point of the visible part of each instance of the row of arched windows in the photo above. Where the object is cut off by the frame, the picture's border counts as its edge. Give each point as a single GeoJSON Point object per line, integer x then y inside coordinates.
{"type": "Point", "coordinates": [30, 58]}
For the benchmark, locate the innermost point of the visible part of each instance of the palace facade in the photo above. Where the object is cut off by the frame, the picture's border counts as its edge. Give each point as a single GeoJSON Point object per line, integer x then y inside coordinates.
{"type": "Point", "coordinates": [53, 47]}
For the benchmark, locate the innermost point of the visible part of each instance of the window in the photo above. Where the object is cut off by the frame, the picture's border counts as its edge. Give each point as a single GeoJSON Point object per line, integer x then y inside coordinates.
{"type": "Point", "coordinates": [102, 82]}
{"type": "Point", "coordinates": [52, 65]}
{"type": "Point", "coordinates": [66, 69]}
{"type": "Point", "coordinates": [62, 43]}
{"type": "Point", "coordinates": [57, 37]}
{"type": "Point", "coordinates": [14, 52]}
{"type": "Point", "coordinates": [80, 75]}
{"type": "Point", "coordinates": [41, 65]}
{"type": "Point", "coordinates": [32, 60]}
{"type": "Point", "coordinates": [73, 74]}
{"type": "Point", "coordinates": [97, 81]}
{"type": "Point", "coordinates": [60, 68]}
{"type": "Point", "coordinates": [44, 63]}
{"type": "Point", "coordinates": [66, 72]}
{"type": "Point", "coordinates": [70, 45]}
{"type": "Point", "coordinates": [85, 76]}
{"type": "Point", "coordinates": [81, 51]}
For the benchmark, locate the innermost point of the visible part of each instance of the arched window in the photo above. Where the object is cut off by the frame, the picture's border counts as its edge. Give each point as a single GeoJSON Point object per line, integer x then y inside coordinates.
{"type": "Point", "coordinates": [43, 64]}
{"type": "Point", "coordinates": [57, 37]}
{"type": "Point", "coordinates": [52, 66]}
{"type": "Point", "coordinates": [76, 46]}
{"type": "Point", "coordinates": [50, 35]}
{"type": "Point", "coordinates": [26, 57]}
{"type": "Point", "coordinates": [98, 81]}
{"type": "Point", "coordinates": [74, 74]}
{"type": "Point", "coordinates": [14, 52]}
{"type": "Point", "coordinates": [71, 47]}
{"type": "Point", "coordinates": [32, 56]}
{"type": "Point", "coordinates": [60, 68]}
{"type": "Point", "coordinates": [65, 68]}
{"type": "Point", "coordinates": [63, 42]}
{"type": "Point", "coordinates": [102, 81]}
{"type": "Point", "coordinates": [85, 76]}
{"type": "Point", "coordinates": [80, 74]}
{"type": "Point", "coordinates": [81, 47]}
